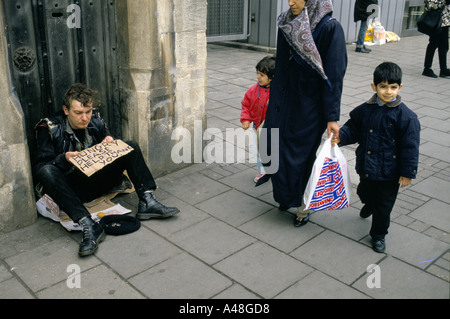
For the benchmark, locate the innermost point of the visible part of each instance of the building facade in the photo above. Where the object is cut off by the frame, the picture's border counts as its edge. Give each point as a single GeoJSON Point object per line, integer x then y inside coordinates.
{"type": "Point", "coordinates": [254, 21]}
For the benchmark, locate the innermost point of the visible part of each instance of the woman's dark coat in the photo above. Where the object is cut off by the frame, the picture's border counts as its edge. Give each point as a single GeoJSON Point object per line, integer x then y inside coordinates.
{"type": "Point", "coordinates": [300, 105]}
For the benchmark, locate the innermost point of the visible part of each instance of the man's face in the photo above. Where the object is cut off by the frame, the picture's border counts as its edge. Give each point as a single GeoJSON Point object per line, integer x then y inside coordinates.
{"type": "Point", "coordinates": [78, 115]}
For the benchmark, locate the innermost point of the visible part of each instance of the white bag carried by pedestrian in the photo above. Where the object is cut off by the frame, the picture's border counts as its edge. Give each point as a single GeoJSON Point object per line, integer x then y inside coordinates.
{"type": "Point", "coordinates": [329, 185]}
{"type": "Point", "coordinates": [379, 34]}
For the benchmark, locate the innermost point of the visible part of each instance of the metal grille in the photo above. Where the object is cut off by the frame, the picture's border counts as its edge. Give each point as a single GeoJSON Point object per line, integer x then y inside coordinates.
{"type": "Point", "coordinates": [227, 20]}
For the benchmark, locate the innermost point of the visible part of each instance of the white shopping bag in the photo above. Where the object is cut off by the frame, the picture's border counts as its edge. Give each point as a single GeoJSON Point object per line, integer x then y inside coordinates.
{"type": "Point", "coordinates": [329, 185]}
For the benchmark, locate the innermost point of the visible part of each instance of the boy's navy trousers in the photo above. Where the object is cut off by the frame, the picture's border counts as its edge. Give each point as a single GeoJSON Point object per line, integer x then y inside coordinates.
{"type": "Point", "coordinates": [380, 197]}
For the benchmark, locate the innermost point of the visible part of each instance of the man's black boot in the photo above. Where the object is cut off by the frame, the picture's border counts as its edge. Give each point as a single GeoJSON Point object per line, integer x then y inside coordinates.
{"type": "Point", "coordinates": [149, 207]}
{"type": "Point", "coordinates": [93, 234]}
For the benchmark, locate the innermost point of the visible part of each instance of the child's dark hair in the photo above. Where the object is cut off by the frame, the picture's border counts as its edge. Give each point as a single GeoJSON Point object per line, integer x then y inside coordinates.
{"type": "Point", "coordinates": [267, 66]}
{"type": "Point", "coordinates": [389, 72]}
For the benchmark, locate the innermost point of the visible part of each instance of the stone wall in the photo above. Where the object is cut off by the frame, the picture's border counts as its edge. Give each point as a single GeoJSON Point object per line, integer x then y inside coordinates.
{"type": "Point", "coordinates": [162, 74]}
{"type": "Point", "coordinates": [17, 208]}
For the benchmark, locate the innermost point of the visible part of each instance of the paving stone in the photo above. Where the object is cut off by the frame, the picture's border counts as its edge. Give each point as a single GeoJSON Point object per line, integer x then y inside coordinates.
{"type": "Point", "coordinates": [413, 247]}
{"type": "Point", "coordinates": [234, 208]}
{"type": "Point", "coordinates": [337, 256]}
{"type": "Point", "coordinates": [211, 240]}
{"type": "Point", "coordinates": [435, 150]}
{"type": "Point", "coordinates": [181, 276]}
{"type": "Point", "coordinates": [95, 283]}
{"type": "Point", "coordinates": [320, 286]}
{"type": "Point", "coordinates": [13, 289]}
{"type": "Point", "coordinates": [193, 189]}
{"type": "Point", "coordinates": [133, 253]}
{"type": "Point", "coordinates": [400, 280]}
{"type": "Point", "coordinates": [263, 269]}
{"type": "Point", "coordinates": [236, 292]}
{"type": "Point", "coordinates": [276, 229]}
{"type": "Point", "coordinates": [187, 216]}
{"type": "Point", "coordinates": [434, 187]}
{"type": "Point", "coordinates": [345, 222]}
{"type": "Point", "coordinates": [243, 181]}
{"type": "Point", "coordinates": [47, 264]}
{"type": "Point", "coordinates": [435, 213]}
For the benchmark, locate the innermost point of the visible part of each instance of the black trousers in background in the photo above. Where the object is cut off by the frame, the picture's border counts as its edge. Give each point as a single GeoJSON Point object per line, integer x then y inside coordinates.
{"type": "Point", "coordinates": [380, 196]}
{"type": "Point", "coordinates": [72, 190]}
{"type": "Point", "coordinates": [440, 42]}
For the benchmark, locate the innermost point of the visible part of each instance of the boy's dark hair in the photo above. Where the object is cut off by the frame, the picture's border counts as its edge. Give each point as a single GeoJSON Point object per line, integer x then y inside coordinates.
{"type": "Point", "coordinates": [267, 66]}
{"type": "Point", "coordinates": [389, 72]}
{"type": "Point", "coordinates": [81, 93]}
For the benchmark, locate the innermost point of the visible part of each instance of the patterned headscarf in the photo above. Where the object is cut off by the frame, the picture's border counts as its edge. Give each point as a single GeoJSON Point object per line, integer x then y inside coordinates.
{"type": "Point", "coordinates": [298, 31]}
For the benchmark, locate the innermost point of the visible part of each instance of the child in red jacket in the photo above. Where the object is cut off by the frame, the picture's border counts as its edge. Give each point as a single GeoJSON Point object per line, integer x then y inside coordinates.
{"type": "Point", "coordinates": [254, 104]}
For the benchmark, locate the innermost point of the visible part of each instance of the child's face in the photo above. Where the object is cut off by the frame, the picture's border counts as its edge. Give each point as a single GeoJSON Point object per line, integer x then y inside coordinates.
{"type": "Point", "coordinates": [263, 79]}
{"type": "Point", "coordinates": [386, 92]}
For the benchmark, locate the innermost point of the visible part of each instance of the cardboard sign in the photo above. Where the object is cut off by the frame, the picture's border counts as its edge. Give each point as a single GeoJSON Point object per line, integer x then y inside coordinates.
{"type": "Point", "coordinates": [98, 156]}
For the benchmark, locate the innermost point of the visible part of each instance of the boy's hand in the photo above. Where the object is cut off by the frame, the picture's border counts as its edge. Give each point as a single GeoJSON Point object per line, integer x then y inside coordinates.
{"type": "Point", "coordinates": [404, 181]}
{"type": "Point", "coordinates": [245, 125]}
{"type": "Point", "coordinates": [335, 140]}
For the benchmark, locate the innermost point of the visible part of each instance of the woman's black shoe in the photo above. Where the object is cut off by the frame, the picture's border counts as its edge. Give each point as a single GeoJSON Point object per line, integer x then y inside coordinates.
{"type": "Point", "coordinates": [299, 221]}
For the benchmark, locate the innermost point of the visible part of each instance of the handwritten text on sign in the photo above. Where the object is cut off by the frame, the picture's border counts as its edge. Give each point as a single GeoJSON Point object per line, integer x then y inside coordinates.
{"type": "Point", "coordinates": [98, 156]}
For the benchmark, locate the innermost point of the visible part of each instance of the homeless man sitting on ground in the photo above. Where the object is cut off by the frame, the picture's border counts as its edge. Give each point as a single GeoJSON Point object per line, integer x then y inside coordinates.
{"type": "Point", "coordinates": [77, 127]}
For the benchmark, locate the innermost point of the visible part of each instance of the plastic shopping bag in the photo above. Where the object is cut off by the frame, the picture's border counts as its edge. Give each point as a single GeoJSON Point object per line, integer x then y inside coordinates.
{"type": "Point", "coordinates": [329, 185]}
{"type": "Point", "coordinates": [369, 34]}
{"type": "Point", "coordinates": [379, 34]}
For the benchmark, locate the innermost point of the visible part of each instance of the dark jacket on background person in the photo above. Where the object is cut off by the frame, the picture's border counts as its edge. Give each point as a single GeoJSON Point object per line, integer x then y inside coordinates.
{"type": "Point", "coordinates": [443, 5]}
{"type": "Point", "coordinates": [388, 138]}
{"type": "Point", "coordinates": [360, 12]}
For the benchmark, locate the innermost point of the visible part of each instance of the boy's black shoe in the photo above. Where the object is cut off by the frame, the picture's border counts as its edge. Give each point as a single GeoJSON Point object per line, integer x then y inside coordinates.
{"type": "Point", "coordinates": [366, 211]}
{"type": "Point", "coordinates": [93, 234]}
{"type": "Point", "coordinates": [379, 245]}
{"type": "Point", "coordinates": [445, 73]}
{"type": "Point", "coordinates": [429, 73]}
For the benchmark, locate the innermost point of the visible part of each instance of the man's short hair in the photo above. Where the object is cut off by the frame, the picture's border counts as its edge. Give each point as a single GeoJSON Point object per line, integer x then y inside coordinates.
{"type": "Point", "coordinates": [81, 93]}
{"type": "Point", "coordinates": [389, 72]}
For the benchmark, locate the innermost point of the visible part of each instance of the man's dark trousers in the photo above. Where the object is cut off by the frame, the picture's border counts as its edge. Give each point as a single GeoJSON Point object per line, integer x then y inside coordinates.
{"type": "Point", "coordinates": [72, 190]}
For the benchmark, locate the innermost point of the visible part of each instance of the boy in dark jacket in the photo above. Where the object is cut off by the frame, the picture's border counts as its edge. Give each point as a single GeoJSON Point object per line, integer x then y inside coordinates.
{"type": "Point", "coordinates": [388, 134]}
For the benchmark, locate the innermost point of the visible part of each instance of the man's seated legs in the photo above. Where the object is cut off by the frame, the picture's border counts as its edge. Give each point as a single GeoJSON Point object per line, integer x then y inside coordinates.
{"type": "Point", "coordinates": [56, 185]}
{"type": "Point", "coordinates": [72, 190]}
{"type": "Point", "coordinates": [144, 184]}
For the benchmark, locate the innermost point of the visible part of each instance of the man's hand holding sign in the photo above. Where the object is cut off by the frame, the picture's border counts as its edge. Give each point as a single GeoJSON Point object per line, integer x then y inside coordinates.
{"type": "Point", "coordinates": [98, 156]}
